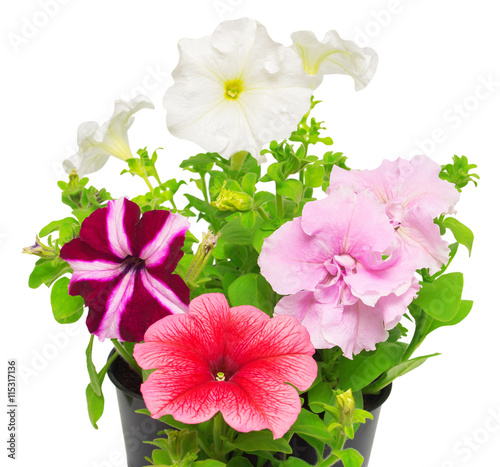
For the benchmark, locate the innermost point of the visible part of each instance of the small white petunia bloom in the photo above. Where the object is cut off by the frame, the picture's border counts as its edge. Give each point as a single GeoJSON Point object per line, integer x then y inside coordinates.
{"type": "Point", "coordinates": [236, 90]}
{"type": "Point", "coordinates": [335, 56]}
{"type": "Point", "coordinates": [96, 143]}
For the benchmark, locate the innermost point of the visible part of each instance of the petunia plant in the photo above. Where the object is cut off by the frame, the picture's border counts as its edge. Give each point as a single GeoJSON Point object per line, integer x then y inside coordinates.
{"type": "Point", "coordinates": [296, 302]}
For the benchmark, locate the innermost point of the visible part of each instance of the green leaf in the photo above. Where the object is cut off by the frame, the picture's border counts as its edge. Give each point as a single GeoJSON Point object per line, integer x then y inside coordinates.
{"type": "Point", "coordinates": [440, 299]}
{"type": "Point", "coordinates": [367, 366]}
{"type": "Point", "coordinates": [46, 272]}
{"type": "Point", "coordinates": [248, 219]}
{"type": "Point", "coordinates": [319, 394]}
{"type": "Point", "coordinates": [239, 461]}
{"type": "Point", "coordinates": [235, 233]}
{"type": "Point", "coordinates": [261, 441]}
{"type": "Point", "coordinates": [396, 372]}
{"type": "Point", "coordinates": [295, 462]}
{"type": "Point", "coordinates": [214, 463]}
{"type": "Point", "coordinates": [350, 457]}
{"type": "Point", "coordinates": [310, 424]}
{"type": "Point", "coordinates": [55, 225]}
{"type": "Point", "coordinates": [463, 311]}
{"type": "Point", "coordinates": [201, 163]}
{"type": "Point", "coordinates": [291, 189]}
{"type": "Point", "coordinates": [252, 289]}
{"type": "Point", "coordinates": [95, 405]}
{"type": "Point", "coordinates": [262, 197]}
{"type": "Point", "coordinates": [248, 183]}
{"type": "Point", "coordinates": [66, 309]}
{"type": "Point", "coordinates": [461, 232]}
{"type": "Point", "coordinates": [94, 378]}
{"type": "Point", "coordinates": [314, 175]}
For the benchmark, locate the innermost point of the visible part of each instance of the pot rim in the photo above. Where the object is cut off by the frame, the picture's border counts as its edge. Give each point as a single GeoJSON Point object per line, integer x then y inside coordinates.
{"type": "Point", "coordinates": [376, 400]}
{"type": "Point", "coordinates": [114, 380]}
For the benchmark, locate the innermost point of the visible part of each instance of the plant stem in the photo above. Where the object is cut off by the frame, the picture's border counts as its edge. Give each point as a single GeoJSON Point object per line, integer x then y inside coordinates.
{"type": "Point", "coordinates": [148, 183]}
{"type": "Point", "coordinates": [262, 213]}
{"type": "Point", "coordinates": [217, 432]}
{"type": "Point", "coordinates": [330, 460]}
{"type": "Point", "coordinates": [279, 204]}
{"type": "Point", "coordinates": [126, 356]}
{"type": "Point", "coordinates": [204, 187]}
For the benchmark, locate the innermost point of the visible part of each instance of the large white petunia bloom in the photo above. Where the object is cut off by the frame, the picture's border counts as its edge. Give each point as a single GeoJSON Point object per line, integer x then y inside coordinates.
{"type": "Point", "coordinates": [236, 90]}
{"type": "Point", "coordinates": [96, 143]}
{"type": "Point", "coordinates": [335, 56]}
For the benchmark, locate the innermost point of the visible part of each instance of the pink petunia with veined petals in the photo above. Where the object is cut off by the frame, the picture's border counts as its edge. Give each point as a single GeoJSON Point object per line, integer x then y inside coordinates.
{"type": "Point", "coordinates": [233, 360]}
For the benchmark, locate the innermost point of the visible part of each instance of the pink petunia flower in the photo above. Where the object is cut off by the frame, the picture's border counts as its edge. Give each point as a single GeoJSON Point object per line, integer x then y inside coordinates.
{"type": "Point", "coordinates": [123, 267]}
{"type": "Point", "coordinates": [413, 195]}
{"type": "Point", "coordinates": [233, 360]}
{"type": "Point", "coordinates": [331, 262]}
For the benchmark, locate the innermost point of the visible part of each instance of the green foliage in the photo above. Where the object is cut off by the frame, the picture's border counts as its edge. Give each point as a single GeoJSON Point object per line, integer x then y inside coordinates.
{"type": "Point", "coordinates": [441, 299]}
{"type": "Point", "coordinates": [83, 201]}
{"type": "Point", "coordinates": [143, 166]}
{"type": "Point", "coordinates": [395, 372]}
{"type": "Point", "coordinates": [458, 172]}
{"type": "Point", "coordinates": [95, 402]}
{"type": "Point", "coordinates": [260, 441]}
{"type": "Point", "coordinates": [66, 309]}
{"type": "Point", "coordinates": [252, 289]}
{"type": "Point", "coordinates": [365, 367]}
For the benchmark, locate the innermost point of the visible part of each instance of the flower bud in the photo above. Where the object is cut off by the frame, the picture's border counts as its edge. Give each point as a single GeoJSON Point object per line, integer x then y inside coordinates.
{"type": "Point", "coordinates": [346, 408]}
{"type": "Point", "coordinates": [232, 200]}
{"type": "Point", "coordinates": [39, 249]}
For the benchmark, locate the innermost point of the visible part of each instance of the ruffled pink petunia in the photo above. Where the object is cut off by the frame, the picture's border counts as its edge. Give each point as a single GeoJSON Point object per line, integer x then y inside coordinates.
{"type": "Point", "coordinates": [233, 360]}
{"type": "Point", "coordinates": [123, 265]}
{"type": "Point", "coordinates": [332, 262]}
{"type": "Point", "coordinates": [413, 195]}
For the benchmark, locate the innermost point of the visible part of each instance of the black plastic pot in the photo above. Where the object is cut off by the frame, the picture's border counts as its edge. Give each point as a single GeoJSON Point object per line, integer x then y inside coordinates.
{"type": "Point", "coordinates": [363, 440]}
{"type": "Point", "coordinates": [138, 427]}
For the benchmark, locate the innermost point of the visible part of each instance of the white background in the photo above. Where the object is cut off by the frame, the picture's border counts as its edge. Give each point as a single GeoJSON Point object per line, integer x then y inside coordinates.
{"type": "Point", "coordinates": [71, 66]}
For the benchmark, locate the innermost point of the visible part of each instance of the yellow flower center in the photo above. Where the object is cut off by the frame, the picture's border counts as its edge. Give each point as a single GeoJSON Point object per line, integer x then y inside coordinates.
{"type": "Point", "coordinates": [233, 88]}
{"type": "Point", "coordinates": [220, 376]}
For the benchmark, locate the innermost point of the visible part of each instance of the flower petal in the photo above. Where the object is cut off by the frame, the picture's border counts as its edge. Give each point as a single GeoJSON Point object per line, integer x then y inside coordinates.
{"type": "Point", "coordinates": [291, 260]}
{"type": "Point", "coordinates": [421, 241]}
{"type": "Point", "coordinates": [110, 230]}
{"type": "Point", "coordinates": [156, 232]}
{"type": "Point", "coordinates": [335, 56]}
{"type": "Point", "coordinates": [256, 355]}
{"type": "Point", "coordinates": [271, 90]}
{"type": "Point", "coordinates": [96, 143]}
{"type": "Point", "coordinates": [348, 222]}
{"type": "Point", "coordinates": [354, 328]}
{"type": "Point", "coordinates": [308, 311]}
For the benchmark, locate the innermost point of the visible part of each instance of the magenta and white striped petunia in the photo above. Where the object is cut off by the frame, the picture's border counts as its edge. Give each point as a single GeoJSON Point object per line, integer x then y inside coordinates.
{"type": "Point", "coordinates": [123, 268]}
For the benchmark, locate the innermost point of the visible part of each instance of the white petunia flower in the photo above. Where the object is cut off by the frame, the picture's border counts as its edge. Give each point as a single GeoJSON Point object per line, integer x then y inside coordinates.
{"type": "Point", "coordinates": [96, 143]}
{"type": "Point", "coordinates": [236, 90]}
{"type": "Point", "coordinates": [335, 56]}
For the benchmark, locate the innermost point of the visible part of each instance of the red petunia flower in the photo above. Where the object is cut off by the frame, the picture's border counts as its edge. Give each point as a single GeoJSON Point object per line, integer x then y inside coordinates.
{"type": "Point", "coordinates": [233, 360]}
{"type": "Point", "coordinates": [123, 267]}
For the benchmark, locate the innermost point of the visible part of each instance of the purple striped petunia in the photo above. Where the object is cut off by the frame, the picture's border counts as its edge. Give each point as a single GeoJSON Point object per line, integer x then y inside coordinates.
{"type": "Point", "coordinates": [123, 268]}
